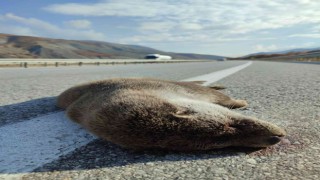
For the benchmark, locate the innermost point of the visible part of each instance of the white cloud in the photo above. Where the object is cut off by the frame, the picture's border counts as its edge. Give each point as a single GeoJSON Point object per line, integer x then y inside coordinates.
{"type": "Point", "coordinates": [79, 24]}
{"type": "Point", "coordinates": [142, 8]}
{"type": "Point", "coordinates": [304, 1]}
{"type": "Point", "coordinates": [307, 44]}
{"type": "Point", "coordinates": [190, 26]}
{"type": "Point", "coordinates": [206, 22]}
{"type": "Point", "coordinates": [169, 26]}
{"type": "Point", "coordinates": [310, 35]}
{"type": "Point", "coordinates": [183, 37]}
{"type": "Point", "coordinates": [156, 26]}
{"type": "Point", "coordinates": [316, 29]}
{"type": "Point", "coordinates": [31, 22]}
{"type": "Point", "coordinates": [301, 45]}
{"type": "Point", "coordinates": [37, 27]}
{"type": "Point", "coordinates": [237, 16]}
{"type": "Point", "coordinates": [9, 29]}
{"type": "Point", "coordinates": [229, 24]}
{"type": "Point", "coordinates": [265, 48]}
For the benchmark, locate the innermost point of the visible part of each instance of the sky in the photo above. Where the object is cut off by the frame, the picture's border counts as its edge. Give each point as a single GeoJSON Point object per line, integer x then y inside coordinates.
{"type": "Point", "coordinates": [218, 27]}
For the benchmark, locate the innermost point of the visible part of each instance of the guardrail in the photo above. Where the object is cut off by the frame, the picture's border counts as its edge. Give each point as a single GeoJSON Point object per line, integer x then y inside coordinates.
{"type": "Point", "coordinates": [80, 62]}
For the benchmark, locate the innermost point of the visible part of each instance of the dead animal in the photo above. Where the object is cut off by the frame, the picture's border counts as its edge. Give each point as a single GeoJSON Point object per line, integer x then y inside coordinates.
{"type": "Point", "coordinates": [142, 113]}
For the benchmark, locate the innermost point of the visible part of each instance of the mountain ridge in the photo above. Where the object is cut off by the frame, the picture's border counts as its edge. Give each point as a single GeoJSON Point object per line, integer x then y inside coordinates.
{"type": "Point", "coordinates": [284, 51]}
{"type": "Point", "coordinates": [16, 46]}
{"type": "Point", "coordinates": [298, 54]}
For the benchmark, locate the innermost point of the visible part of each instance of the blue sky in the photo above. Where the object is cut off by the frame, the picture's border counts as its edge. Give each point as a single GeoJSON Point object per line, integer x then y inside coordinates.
{"type": "Point", "coordinates": [220, 27]}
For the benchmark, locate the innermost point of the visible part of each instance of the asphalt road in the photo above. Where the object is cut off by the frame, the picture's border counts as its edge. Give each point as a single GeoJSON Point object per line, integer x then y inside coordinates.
{"type": "Point", "coordinates": [286, 94]}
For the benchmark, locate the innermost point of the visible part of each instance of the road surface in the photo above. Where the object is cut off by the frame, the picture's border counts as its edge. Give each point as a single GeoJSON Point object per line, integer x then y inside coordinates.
{"type": "Point", "coordinates": [286, 94]}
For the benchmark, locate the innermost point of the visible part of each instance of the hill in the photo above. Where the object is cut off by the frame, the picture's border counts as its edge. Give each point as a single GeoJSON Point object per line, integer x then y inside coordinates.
{"type": "Point", "coordinates": [14, 46]}
{"type": "Point", "coordinates": [311, 54]}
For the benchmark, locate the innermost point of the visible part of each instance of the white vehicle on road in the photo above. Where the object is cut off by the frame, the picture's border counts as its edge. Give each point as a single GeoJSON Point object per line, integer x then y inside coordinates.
{"type": "Point", "coordinates": [158, 57]}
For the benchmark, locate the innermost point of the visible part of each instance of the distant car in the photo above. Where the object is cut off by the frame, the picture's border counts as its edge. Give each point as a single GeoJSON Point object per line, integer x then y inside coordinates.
{"type": "Point", "coordinates": [158, 57]}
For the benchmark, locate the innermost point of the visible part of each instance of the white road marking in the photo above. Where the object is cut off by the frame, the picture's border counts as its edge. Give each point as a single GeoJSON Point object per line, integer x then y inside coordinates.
{"type": "Point", "coordinates": [216, 76]}
{"type": "Point", "coordinates": [30, 144]}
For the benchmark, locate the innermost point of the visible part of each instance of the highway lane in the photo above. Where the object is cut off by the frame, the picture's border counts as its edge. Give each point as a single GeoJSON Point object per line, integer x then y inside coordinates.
{"type": "Point", "coordinates": [30, 92]}
{"type": "Point", "coordinates": [20, 85]}
{"type": "Point", "coordinates": [283, 93]}
{"type": "Point", "coordinates": [56, 135]}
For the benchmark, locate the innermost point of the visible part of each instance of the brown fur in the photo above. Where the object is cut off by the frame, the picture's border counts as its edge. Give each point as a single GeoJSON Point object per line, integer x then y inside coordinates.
{"type": "Point", "coordinates": [150, 113]}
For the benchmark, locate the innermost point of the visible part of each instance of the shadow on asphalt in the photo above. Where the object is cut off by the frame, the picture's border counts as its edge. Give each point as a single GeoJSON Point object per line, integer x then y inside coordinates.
{"type": "Point", "coordinates": [101, 154]}
{"type": "Point", "coordinates": [18, 112]}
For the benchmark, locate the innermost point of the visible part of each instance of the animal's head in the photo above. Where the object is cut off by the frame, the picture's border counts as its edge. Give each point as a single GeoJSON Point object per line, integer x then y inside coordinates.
{"type": "Point", "coordinates": [251, 132]}
{"type": "Point", "coordinates": [221, 128]}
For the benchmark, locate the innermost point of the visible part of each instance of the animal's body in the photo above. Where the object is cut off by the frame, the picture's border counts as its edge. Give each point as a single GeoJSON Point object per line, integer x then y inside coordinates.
{"type": "Point", "coordinates": [151, 113]}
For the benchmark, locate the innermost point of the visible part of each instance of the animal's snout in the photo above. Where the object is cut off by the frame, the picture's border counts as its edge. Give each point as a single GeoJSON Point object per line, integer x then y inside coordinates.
{"type": "Point", "coordinates": [274, 139]}
{"type": "Point", "coordinates": [258, 127]}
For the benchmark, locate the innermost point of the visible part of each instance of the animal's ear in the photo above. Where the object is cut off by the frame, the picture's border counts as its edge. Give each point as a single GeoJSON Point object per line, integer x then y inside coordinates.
{"type": "Point", "coordinates": [183, 113]}
{"type": "Point", "coordinates": [217, 87]}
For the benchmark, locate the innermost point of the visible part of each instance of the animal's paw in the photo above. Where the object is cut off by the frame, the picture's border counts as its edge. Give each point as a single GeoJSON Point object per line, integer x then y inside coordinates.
{"type": "Point", "coordinates": [241, 104]}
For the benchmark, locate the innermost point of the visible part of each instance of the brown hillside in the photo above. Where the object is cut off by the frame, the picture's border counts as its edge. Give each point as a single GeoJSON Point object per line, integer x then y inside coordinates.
{"type": "Point", "coordinates": [13, 46]}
